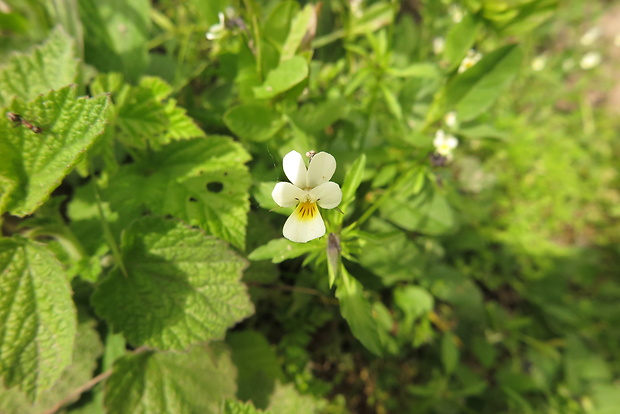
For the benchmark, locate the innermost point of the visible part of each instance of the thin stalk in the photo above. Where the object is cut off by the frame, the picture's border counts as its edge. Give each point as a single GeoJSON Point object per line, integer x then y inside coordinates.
{"type": "Point", "coordinates": [107, 232]}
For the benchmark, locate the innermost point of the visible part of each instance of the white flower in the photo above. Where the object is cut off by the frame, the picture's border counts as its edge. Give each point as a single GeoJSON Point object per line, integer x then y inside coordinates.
{"type": "Point", "coordinates": [590, 36]}
{"type": "Point", "coordinates": [309, 190]}
{"type": "Point", "coordinates": [439, 44]}
{"type": "Point", "coordinates": [356, 8]}
{"type": "Point", "coordinates": [470, 60]}
{"type": "Point", "coordinates": [590, 60]}
{"type": "Point", "coordinates": [450, 119]}
{"type": "Point", "coordinates": [539, 63]}
{"type": "Point", "coordinates": [217, 31]}
{"type": "Point", "coordinates": [456, 13]}
{"type": "Point", "coordinates": [445, 144]}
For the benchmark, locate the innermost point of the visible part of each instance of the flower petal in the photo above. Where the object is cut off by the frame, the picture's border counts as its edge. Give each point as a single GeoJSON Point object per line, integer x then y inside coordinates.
{"type": "Point", "coordinates": [327, 195]}
{"type": "Point", "coordinates": [287, 195]}
{"type": "Point", "coordinates": [321, 169]}
{"type": "Point", "coordinates": [452, 142]}
{"type": "Point", "coordinates": [304, 224]}
{"type": "Point", "coordinates": [295, 169]}
{"type": "Point", "coordinates": [440, 138]}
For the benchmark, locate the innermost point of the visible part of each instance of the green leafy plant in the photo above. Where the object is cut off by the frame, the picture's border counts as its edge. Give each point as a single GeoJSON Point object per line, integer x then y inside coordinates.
{"type": "Point", "coordinates": [464, 245]}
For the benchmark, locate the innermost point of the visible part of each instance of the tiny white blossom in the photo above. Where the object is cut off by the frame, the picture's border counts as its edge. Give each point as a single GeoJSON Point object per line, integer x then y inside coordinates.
{"type": "Point", "coordinates": [309, 189]}
{"type": "Point", "coordinates": [590, 36]}
{"type": "Point", "coordinates": [217, 30]}
{"type": "Point", "coordinates": [470, 60]}
{"type": "Point", "coordinates": [456, 13]}
{"type": "Point", "coordinates": [451, 119]}
{"type": "Point", "coordinates": [539, 63]}
{"type": "Point", "coordinates": [445, 144]}
{"type": "Point", "coordinates": [356, 8]}
{"type": "Point", "coordinates": [439, 44]}
{"type": "Point", "coordinates": [590, 60]}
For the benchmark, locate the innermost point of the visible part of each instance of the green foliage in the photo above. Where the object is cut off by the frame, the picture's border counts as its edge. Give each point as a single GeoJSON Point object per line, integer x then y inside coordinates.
{"type": "Point", "coordinates": [474, 91]}
{"type": "Point", "coordinates": [178, 286]}
{"type": "Point", "coordinates": [38, 162]}
{"type": "Point", "coordinates": [253, 122]}
{"type": "Point", "coordinates": [196, 381]}
{"type": "Point", "coordinates": [37, 335]}
{"type": "Point", "coordinates": [469, 267]}
{"type": "Point", "coordinates": [84, 362]}
{"type": "Point", "coordinates": [202, 181]}
{"type": "Point", "coordinates": [357, 311]}
{"type": "Point", "coordinates": [257, 366]}
{"type": "Point", "coordinates": [50, 66]}
{"type": "Point", "coordinates": [237, 407]}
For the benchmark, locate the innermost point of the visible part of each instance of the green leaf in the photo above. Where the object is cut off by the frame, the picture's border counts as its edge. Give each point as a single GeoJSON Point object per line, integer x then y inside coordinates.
{"type": "Point", "coordinates": [449, 285]}
{"type": "Point", "coordinates": [483, 131]}
{"type": "Point", "coordinates": [141, 114]}
{"type": "Point", "coordinates": [357, 311]}
{"type": "Point", "coordinates": [180, 125]}
{"type": "Point", "coordinates": [7, 185]}
{"type": "Point", "coordinates": [201, 181]}
{"type": "Point", "coordinates": [428, 212]}
{"type": "Point", "coordinates": [392, 102]}
{"type": "Point", "coordinates": [299, 27]}
{"type": "Point", "coordinates": [423, 70]}
{"type": "Point", "coordinates": [286, 400]}
{"type": "Point", "coordinates": [50, 66]}
{"type": "Point", "coordinates": [313, 118]}
{"type": "Point", "coordinates": [392, 257]}
{"type": "Point", "coordinates": [198, 381]}
{"type": "Point", "coordinates": [111, 82]}
{"type": "Point", "coordinates": [40, 161]}
{"type": "Point", "coordinates": [182, 286]}
{"type": "Point", "coordinates": [474, 91]}
{"type": "Point", "coordinates": [449, 353]}
{"type": "Point", "coordinates": [582, 365]}
{"type": "Point", "coordinates": [459, 41]}
{"type": "Point", "coordinates": [414, 301]}
{"type": "Point", "coordinates": [116, 35]}
{"type": "Point", "coordinates": [237, 407]}
{"type": "Point", "coordinates": [277, 24]}
{"type": "Point", "coordinates": [253, 122]}
{"type": "Point", "coordinates": [279, 250]}
{"type": "Point", "coordinates": [524, 18]}
{"type": "Point", "coordinates": [38, 327]}
{"type": "Point", "coordinates": [87, 349]}
{"type": "Point", "coordinates": [376, 16]}
{"type": "Point", "coordinates": [257, 365]}
{"type": "Point", "coordinates": [352, 181]}
{"type": "Point", "coordinates": [288, 74]}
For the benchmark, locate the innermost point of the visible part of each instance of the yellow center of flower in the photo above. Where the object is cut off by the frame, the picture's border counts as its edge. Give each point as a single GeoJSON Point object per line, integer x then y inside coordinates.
{"type": "Point", "coordinates": [306, 210]}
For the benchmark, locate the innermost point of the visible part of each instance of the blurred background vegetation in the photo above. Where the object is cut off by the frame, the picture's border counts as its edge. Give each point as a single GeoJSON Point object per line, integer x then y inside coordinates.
{"type": "Point", "coordinates": [503, 296]}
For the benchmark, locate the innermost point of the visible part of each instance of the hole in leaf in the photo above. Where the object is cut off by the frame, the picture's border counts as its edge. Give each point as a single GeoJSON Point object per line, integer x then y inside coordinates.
{"type": "Point", "coordinates": [215, 186]}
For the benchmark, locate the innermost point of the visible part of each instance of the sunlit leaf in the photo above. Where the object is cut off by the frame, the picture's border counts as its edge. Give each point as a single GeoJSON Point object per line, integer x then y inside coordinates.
{"type": "Point", "coordinates": [182, 286]}
{"type": "Point", "coordinates": [198, 381]}
{"type": "Point", "coordinates": [69, 126]}
{"type": "Point", "coordinates": [50, 66]}
{"type": "Point", "coordinates": [39, 322]}
{"type": "Point", "coordinates": [202, 181]}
